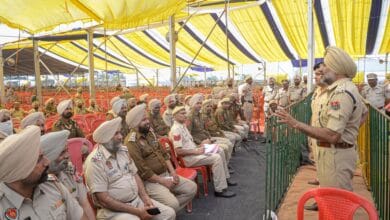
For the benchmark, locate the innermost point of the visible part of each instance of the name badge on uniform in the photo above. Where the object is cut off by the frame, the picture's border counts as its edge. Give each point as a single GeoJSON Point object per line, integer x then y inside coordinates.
{"type": "Point", "coordinates": [11, 213]}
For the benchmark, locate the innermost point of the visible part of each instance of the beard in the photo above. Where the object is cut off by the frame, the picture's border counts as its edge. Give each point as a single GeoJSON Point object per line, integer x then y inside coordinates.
{"type": "Point", "coordinates": [34, 182]}
{"type": "Point", "coordinates": [112, 146]}
{"type": "Point", "coordinates": [145, 129]}
{"type": "Point", "coordinates": [122, 114]}
{"type": "Point", "coordinates": [58, 167]}
{"type": "Point", "coordinates": [68, 115]}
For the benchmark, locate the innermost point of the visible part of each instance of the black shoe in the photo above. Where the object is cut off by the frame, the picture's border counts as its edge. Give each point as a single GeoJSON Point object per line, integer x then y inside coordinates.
{"type": "Point", "coordinates": [231, 170]}
{"type": "Point", "coordinates": [244, 139]}
{"type": "Point", "coordinates": [314, 182]}
{"type": "Point", "coordinates": [312, 207]}
{"type": "Point", "coordinates": [225, 193]}
{"type": "Point", "coordinates": [231, 182]}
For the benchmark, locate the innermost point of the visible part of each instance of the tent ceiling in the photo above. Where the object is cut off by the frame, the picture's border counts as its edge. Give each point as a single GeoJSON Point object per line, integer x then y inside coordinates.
{"type": "Point", "coordinates": [273, 31]}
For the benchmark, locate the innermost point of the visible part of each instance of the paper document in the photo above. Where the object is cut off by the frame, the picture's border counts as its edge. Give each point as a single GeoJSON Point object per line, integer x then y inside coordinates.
{"type": "Point", "coordinates": [210, 148]}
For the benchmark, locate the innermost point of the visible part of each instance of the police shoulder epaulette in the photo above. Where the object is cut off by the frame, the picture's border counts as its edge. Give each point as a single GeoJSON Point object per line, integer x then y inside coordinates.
{"type": "Point", "coordinates": [133, 136]}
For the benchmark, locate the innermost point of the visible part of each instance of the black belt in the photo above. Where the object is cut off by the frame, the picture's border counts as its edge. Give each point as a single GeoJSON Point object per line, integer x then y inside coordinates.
{"type": "Point", "coordinates": [249, 101]}
{"type": "Point", "coordinates": [342, 145]}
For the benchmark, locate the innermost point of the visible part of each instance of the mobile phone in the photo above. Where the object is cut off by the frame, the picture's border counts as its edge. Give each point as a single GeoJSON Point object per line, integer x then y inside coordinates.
{"type": "Point", "coordinates": [153, 211]}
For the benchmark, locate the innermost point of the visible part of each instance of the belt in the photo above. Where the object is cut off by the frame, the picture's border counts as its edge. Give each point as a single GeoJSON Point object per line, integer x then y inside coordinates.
{"type": "Point", "coordinates": [342, 145]}
{"type": "Point", "coordinates": [249, 101]}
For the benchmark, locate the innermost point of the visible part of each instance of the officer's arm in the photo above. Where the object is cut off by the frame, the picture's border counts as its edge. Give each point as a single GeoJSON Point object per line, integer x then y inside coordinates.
{"type": "Point", "coordinates": [106, 201]}
{"type": "Point", "coordinates": [323, 134]}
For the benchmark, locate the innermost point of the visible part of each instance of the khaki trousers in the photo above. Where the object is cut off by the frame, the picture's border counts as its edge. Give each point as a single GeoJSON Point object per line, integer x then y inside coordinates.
{"type": "Point", "coordinates": [167, 213]}
{"type": "Point", "coordinates": [248, 111]}
{"type": "Point", "coordinates": [177, 198]}
{"type": "Point", "coordinates": [218, 167]}
{"type": "Point", "coordinates": [226, 146]}
{"type": "Point", "coordinates": [241, 131]}
{"type": "Point", "coordinates": [233, 137]}
{"type": "Point", "coordinates": [336, 167]}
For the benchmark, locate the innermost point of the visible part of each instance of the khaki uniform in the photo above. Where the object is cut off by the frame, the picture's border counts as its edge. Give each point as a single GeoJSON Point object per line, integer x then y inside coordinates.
{"type": "Point", "coordinates": [72, 126]}
{"type": "Point", "coordinates": [296, 93]}
{"type": "Point", "coordinates": [124, 128]}
{"type": "Point", "coordinates": [126, 95]}
{"type": "Point", "coordinates": [196, 127]}
{"type": "Point", "coordinates": [182, 138]}
{"type": "Point", "coordinates": [319, 99]}
{"type": "Point", "coordinates": [150, 159]}
{"type": "Point", "coordinates": [226, 123]}
{"type": "Point", "coordinates": [94, 109]}
{"type": "Point", "coordinates": [51, 201]}
{"type": "Point", "coordinates": [80, 111]}
{"type": "Point", "coordinates": [212, 127]}
{"type": "Point", "coordinates": [282, 97]}
{"type": "Point", "coordinates": [168, 117]}
{"type": "Point", "coordinates": [247, 106]}
{"type": "Point", "coordinates": [229, 91]}
{"type": "Point", "coordinates": [17, 114]}
{"type": "Point", "coordinates": [341, 114]}
{"type": "Point", "coordinates": [376, 96]}
{"type": "Point", "coordinates": [240, 124]}
{"type": "Point", "coordinates": [116, 176]}
{"type": "Point", "coordinates": [269, 94]}
{"type": "Point", "coordinates": [158, 124]}
{"type": "Point", "coordinates": [74, 183]}
{"type": "Point", "coordinates": [50, 110]}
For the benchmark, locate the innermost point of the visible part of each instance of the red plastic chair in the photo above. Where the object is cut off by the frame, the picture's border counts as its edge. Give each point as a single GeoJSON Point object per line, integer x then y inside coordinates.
{"type": "Point", "coordinates": [96, 124]}
{"type": "Point", "coordinates": [74, 149]}
{"type": "Point", "coordinates": [336, 204]}
{"type": "Point", "coordinates": [188, 173]}
{"type": "Point", "coordinates": [201, 169]}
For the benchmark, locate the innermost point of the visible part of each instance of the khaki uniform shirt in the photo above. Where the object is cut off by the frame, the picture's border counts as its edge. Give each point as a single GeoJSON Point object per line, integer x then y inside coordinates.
{"type": "Point", "coordinates": [80, 111]}
{"type": "Point", "coordinates": [211, 125]}
{"type": "Point", "coordinates": [196, 127]}
{"type": "Point", "coordinates": [318, 100]}
{"type": "Point", "coordinates": [341, 114]}
{"type": "Point", "coordinates": [282, 97]}
{"type": "Point", "coordinates": [181, 137]}
{"type": "Point", "coordinates": [149, 157]}
{"type": "Point", "coordinates": [168, 117]}
{"type": "Point", "coordinates": [50, 110]}
{"type": "Point", "coordinates": [247, 92]}
{"type": "Point", "coordinates": [17, 114]}
{"type": "Point", "coordinates": [270, 93]}
{"type": "Point", "coordinates": [229, 91]}
{"type": "Point", "coordinates": [158, 124]}
{"type": "Point", "coordinates": [72, 126]}
{"type": "Point", "coordinates": [115, 175]}
{"type": "Point", "coordinates": [295, 93]}
{"type": "Point", "coordinates": [94, 109]}
{"type": "Point", "coordinates": [74, 183]}
{"type": "Point", "coordinates": [376, 96]}
{"type": "Point", "coordinates": [51, 201]}
{"type": "Point", "coordinates": [236, 112]}
{"type": "Point", "coordinates": [224, 119]}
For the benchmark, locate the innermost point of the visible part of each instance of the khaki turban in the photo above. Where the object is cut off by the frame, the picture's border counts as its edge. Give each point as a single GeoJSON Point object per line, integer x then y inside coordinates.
{"type": "Point", "coordinates": [207, 102]}
{"type": "Point", "coordinates": [340, 62]}
{"type": "Point", "coordinates": [4, 112]}
{"type": "Point", "coordinates": [106, 131]}
{"type": "Point", "coordinates": [143, 97]}
{"type": "Point", "coordinates": [117, 105]}
{"type": "Point", "coordinates": [154, 103]}
{"type": "Point", "coordinates": [53, 143]}
{"type": "Point", "coordinates": [195, 99]}
{"type": "Point", "coordinates": [32, 119]}
{"type": "Point", "coordinates": [178, 109]}
{"type": "Point", "coordinates": [187, 98]}
{"type": "Point", "coordinates": [169, 98]}
{"type": "Point", "coordinates": [135, 115]}
{"type": "Point", "coordinates": [19, 154]}
{"type": "Point", "coordinates": [248, 78]}
{"type": "Point", "coordinates": [63, 105]}
{"type": "Point", "coordinates": [223, 101]}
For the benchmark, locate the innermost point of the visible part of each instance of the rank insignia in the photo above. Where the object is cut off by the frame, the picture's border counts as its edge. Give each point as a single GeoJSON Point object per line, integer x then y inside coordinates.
{"type": "Point", "coordinates": [176, 137]}
{"type": "Point", "coordinates": [109, 164]}
{"type": "Point", "coordinates": [11, 213]}
{"type": "Point", "coordinates": [335, 105]}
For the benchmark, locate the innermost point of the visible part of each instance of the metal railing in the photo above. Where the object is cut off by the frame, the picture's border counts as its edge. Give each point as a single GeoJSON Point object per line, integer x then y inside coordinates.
{"type": "Point", "coordinates": [379, 160]}
{"type": "Point", "coordinates": [283, 152]}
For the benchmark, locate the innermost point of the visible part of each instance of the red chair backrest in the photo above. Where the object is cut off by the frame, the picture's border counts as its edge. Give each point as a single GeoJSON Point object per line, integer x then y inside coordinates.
{"type": "Point", "coordinates": [336, 204]}
{"type": "Point", "coordinates": [74, 149]}
{"type": "Point", "coordinates": [167, 144]}
{"type": "Point", "coordinates": [96, 124]}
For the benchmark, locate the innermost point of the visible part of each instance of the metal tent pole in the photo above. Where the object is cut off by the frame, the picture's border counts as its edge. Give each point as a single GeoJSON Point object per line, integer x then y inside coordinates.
{"type": "Point", "coordinates": [172, 50]}
{"type": "Point", "coordinates": [91, 65]}
{"type": "Point", "coordinates": [2, 90]}
{"type": "Point", "coordinates": [38, 84]}
{"type": "Point", "coordinates": [310, 46]}
{"type": "Point", "coordinates": [227, 37]}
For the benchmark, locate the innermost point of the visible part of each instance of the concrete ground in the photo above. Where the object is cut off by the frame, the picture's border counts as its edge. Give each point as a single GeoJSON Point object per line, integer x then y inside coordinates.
{"type": "Point", "coordinates": [299, 186]}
